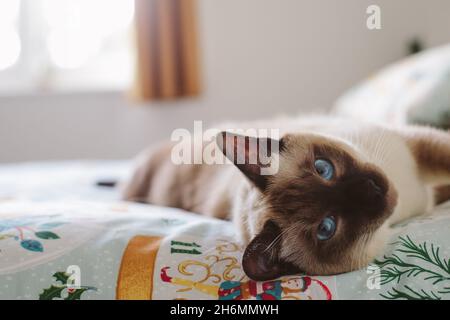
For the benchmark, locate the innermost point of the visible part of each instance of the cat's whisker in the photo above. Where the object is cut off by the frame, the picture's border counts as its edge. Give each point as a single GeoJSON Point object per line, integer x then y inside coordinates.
{"type": "Point", "coordinates": [380, 149]}
{"type": "Point", "coordinates": [278, 238]}
{"type": "Point", "coordinates": [362, 252]}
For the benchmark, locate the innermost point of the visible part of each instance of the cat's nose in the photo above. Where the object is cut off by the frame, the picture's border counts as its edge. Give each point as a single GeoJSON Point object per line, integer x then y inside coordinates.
{"type": "Point", "coordinates": [374, 187]}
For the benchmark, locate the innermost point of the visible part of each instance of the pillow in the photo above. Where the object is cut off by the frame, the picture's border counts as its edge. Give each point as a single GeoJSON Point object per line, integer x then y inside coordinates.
{"type": "Point", "coordinates": [415, 90]}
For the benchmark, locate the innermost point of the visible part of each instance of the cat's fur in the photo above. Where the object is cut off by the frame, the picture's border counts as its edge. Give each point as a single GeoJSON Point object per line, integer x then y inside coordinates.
{"type": "Point", "coordinates": [383, 175]}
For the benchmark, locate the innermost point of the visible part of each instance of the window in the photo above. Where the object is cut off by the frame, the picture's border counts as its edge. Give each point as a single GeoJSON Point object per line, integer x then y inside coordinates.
{"type": "Point", "coordinates": [9, 37]}
{"type": "Point", "coordinates": [65, 45]}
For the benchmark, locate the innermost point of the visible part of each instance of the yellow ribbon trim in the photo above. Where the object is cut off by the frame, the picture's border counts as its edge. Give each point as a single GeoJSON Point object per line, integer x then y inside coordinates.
{"type": "Point", "coordinates": [135, 279]}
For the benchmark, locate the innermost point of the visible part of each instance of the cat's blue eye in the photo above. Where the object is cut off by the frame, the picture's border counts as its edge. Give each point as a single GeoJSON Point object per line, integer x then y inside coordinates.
{"type": "Point", "coordinates": [326, 229]}
{"type": "Point", "coordinates": [324, 168]}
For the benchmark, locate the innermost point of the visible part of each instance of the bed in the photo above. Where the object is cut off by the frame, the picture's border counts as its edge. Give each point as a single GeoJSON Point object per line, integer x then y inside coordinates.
{"type": "Point", "coordinates": [64, 237]}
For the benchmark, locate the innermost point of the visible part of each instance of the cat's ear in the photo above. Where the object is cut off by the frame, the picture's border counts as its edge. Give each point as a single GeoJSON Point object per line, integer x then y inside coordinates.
{"type": "Point", "coordinates": [257, 158]}
{"type": "Point", "coordinates": [261, 259]}
{"type": "Point", "coordinates": [431, 149]}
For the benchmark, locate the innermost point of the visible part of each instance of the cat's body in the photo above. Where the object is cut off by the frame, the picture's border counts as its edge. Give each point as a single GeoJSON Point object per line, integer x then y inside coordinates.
{"type": "Point", "coordinates": [389, 156]}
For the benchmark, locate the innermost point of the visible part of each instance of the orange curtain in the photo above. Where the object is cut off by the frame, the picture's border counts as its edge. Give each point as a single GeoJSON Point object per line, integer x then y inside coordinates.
{"type": "Point", "coordinates": [167, 53]}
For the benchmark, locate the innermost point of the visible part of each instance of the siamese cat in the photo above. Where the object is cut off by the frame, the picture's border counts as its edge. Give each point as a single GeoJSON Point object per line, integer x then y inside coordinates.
{"type": "Point", "coordinates": [339, 187]}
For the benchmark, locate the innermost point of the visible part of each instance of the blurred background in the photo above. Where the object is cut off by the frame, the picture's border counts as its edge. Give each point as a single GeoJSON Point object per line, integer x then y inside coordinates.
{"type": "Point", "coordinates": [102, 79]}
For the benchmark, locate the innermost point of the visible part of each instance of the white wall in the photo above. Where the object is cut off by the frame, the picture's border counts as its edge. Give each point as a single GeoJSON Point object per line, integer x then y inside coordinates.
{"type": "Point", "coordinates": [260, 57]}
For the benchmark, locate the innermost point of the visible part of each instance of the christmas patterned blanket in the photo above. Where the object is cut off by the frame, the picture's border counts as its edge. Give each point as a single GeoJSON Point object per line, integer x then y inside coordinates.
{"type": "Point", "coordinates": [64, 247]}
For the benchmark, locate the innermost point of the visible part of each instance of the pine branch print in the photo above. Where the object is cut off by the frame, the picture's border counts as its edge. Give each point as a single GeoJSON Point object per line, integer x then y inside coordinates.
{"type": "Point", "coordinates": [434, 269]}
{"type": "Point", "coordinates": [410, 295]}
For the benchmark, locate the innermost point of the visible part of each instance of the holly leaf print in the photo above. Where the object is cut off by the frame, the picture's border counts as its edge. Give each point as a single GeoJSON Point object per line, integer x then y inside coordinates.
{"type": "Point", "coordinates": [61, 276]}
{"type": "Point", "coordinates": [51, 293]}
{"type": "Point", "coordinates": [76, 294]}
{"type": "Point", "coordinates": [47, 235]}
{"type": "Point", "coordinates": [32, 245]}
{"type": "Point", "coordinates": [64, 291]}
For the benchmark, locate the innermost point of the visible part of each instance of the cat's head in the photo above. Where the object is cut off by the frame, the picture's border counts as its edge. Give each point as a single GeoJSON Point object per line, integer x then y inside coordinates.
{"type": "Point", "coordinates": [321, 208]}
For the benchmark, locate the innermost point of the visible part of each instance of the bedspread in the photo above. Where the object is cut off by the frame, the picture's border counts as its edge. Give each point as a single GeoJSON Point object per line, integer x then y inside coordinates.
{"type": "Point", "coordinates": [61, 237]}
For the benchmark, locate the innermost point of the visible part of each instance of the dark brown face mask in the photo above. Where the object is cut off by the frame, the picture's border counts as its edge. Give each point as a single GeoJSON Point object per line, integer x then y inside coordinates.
{"type": "Point", "coordinates": [261, 257]}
